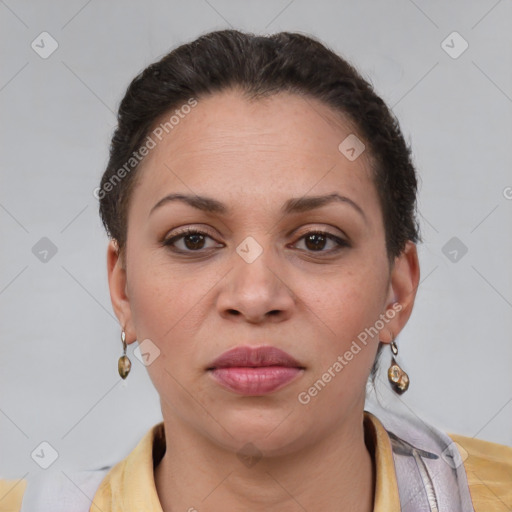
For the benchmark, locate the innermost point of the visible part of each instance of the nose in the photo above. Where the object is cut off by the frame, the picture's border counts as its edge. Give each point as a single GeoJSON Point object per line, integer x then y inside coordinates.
{"type": "Point", "coordinates": [256, 292]}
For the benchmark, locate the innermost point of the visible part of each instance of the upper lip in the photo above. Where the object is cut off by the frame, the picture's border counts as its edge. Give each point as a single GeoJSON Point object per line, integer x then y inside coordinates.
{"type": "Point", "coordinates": [255, 357]}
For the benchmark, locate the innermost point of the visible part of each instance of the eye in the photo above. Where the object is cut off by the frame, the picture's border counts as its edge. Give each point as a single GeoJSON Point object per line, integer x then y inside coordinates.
{"type": "Point", "coordinates": [315, 241]}
{"type": "Point", "coordinates": [193, 240]}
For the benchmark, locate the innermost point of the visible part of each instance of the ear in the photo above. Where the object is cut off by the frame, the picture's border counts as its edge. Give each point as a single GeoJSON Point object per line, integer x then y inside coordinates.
{"type": "Point", "coordinates": [403, 285]}
{"type": "Point", "coordinates": [118, 290]}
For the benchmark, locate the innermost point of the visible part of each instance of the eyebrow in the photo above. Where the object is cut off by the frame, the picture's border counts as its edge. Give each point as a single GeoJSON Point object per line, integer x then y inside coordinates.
{"type": "Point", "coordinates": [293, 205]}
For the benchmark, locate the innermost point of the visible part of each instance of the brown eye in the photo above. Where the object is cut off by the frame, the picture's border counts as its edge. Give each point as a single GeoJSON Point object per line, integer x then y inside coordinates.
{"type": "Point", "coordinates": [194, 241]}
{"type": "Point", "coordinates": [316, 241]}
{"type": "Point", "coordinates": [191, 240]}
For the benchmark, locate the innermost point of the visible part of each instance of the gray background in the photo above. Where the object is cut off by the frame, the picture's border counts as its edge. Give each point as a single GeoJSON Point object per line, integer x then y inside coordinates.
{"type": "Point", "coordinates": [59, 337]}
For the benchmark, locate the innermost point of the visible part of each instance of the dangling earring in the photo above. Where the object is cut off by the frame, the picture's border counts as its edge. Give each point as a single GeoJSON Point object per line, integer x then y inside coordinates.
{"type": "Point", "coordinates": [397, 377]}
{"type": "Point", "coordinates": [124, 364]}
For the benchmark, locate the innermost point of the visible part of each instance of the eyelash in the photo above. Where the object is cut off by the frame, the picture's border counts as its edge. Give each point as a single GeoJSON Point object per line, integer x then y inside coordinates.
{"type": "Point", "coordinates": [191, 231]}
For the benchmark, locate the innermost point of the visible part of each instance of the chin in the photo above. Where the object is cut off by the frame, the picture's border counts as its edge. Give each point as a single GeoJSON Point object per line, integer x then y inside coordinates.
{"type": "Point", "coordinates": [272, 432]}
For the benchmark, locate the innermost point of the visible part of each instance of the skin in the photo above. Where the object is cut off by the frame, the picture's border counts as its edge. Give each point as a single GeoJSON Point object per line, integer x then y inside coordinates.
{"type": "Point", "coordinates": [253, 156]}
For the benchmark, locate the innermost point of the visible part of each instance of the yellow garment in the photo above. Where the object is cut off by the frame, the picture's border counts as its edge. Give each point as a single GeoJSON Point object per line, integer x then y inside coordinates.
{"type": "Point", "coordinates": [489, 472]}
{"type": "Point", "coordinates": [130, 486]}
{"type": "Point", "coordinates": [11, 493]}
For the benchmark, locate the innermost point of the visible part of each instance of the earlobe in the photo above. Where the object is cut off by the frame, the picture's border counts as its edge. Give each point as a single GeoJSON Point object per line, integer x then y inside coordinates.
{"type": "Point", "coordinates": [118, 290]}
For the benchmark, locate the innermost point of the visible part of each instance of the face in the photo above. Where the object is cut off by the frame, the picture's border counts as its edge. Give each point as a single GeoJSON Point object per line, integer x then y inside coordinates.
{"type": "Point", "coordinates": [268, 268]}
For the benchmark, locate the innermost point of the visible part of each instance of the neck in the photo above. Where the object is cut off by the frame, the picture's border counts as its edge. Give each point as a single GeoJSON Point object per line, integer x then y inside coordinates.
{"type": "Point", "coordinates": [335, 474]}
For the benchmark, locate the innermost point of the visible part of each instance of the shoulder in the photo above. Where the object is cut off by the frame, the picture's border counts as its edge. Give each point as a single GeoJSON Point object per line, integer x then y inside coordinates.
{"type": "Point", "coordinates": [51, 491]}
{"type": "Point", "coordinates": [488, 468]}
{"type": "Point", "coordinates": [11, 494]}
{"type": "Point", "coordinates": [68, 490]}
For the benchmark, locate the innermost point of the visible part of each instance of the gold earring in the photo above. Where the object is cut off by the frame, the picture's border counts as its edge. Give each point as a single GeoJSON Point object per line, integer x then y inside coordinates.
{"type": "Point", "coordinates": [124, 364]}
{"type": "Point", "coordinates": [397, 377]}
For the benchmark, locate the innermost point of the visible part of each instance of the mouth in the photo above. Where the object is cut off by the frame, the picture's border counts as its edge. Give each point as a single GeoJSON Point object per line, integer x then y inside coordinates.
{"type": "Point", "coordinates": [254, 371]}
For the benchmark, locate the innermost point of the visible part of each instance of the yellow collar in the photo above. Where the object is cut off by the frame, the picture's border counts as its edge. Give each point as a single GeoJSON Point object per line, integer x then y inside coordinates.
{"type": "Point", "coordinates": [130, 485]}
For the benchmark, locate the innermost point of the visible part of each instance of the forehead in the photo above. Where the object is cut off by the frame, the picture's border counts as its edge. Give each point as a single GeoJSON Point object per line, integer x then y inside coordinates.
{"type": "Point", "coordinates": [230, 147]}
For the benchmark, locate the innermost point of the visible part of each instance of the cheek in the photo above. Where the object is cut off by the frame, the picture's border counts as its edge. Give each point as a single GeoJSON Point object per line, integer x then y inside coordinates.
{"type": "Point", "coordinates": [168, 304]}
{"type": "Point", "coordinates": [163, 311]}
{"type": "Point", "coordinates": [347, 299]}
{"type": "Point", "coordinates": [156, 301]}
{"type": "Point", "coordinates": [345, 308]}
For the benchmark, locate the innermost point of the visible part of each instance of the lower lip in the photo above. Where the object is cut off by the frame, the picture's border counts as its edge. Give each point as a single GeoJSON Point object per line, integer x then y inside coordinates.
{"type": "Point", "coordinates": [255, 381]}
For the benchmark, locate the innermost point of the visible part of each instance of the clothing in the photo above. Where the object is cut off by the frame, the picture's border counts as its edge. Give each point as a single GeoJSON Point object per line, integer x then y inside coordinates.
{"type": "Point", "coordinates": [129, 485]}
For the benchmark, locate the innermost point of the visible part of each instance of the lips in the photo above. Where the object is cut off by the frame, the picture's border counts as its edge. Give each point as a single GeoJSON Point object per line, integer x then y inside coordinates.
{"type": "Point", "coordinates": [254, 357]}
{"type": "Point", "coordinates": [254, 371]}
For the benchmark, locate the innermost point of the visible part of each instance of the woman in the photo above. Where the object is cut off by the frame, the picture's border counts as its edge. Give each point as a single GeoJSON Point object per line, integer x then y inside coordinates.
{"type": "Point", "coordinates": [260, 201]}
